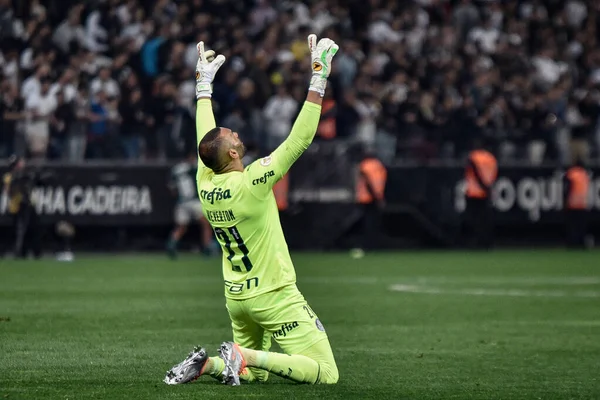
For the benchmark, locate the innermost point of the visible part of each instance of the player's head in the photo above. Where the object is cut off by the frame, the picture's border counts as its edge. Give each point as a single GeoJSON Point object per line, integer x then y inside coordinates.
{"type": "Point", "coordinates": [221, 149]}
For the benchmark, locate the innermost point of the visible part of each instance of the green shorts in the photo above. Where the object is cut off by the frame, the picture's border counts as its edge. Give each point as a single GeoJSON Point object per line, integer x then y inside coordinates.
{"type": "Point", "coordinates": [282, 315]}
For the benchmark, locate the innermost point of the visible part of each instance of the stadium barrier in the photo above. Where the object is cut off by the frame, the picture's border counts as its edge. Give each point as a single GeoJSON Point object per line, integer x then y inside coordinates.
{"type": "Point", "coordinates": [95, 194]}
{"type": "Point", "coordinates": [521, 195]}
{"type": "Point", "coordinates": [424, 204]}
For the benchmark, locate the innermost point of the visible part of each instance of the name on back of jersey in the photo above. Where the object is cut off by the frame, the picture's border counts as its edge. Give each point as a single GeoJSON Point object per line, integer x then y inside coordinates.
{"type": "Point", "coordinates": [220, 216]}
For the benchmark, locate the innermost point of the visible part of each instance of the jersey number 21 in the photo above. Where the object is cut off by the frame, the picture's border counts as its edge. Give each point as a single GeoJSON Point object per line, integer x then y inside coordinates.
{"type": "Point", "coordinates": [223, 235]}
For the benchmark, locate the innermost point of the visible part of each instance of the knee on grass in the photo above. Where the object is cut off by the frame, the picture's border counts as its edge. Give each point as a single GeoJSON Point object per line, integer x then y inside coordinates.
{"type": "Point", "coordinates": [328, 375]}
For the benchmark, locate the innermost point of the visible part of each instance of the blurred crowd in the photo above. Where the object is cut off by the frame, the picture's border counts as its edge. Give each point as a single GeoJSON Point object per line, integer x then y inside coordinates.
{"type": "Point", "coordinates": [414, 80]}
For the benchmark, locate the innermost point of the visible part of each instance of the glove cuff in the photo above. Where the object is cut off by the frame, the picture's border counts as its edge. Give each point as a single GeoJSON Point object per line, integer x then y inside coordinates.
{"type": "Point", "coordinates": [203, 90]}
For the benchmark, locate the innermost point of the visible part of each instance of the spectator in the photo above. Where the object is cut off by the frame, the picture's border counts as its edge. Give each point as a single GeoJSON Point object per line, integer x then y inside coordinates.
{"type": "Point", "coordinates": [541, 132]}
{"type": "Point", "coordinates": [548, 69]}
{"type": "Point", "coordinates": [70, 32]}
{"type": "Point", "coordinates": [134, 124]}
{"type": "Point", "coordinates": [261, 17]}
{"type": "Point", "coordinates": [347, 62]}
{"type": "Point", "coordinates": [39, 109]}
{"type": "Point", "coordinates": [576, 12]}
{"type": "Point", "coordinates": [465, 129]}
{"type": "Point", "coordinates": [582, 118]}
{"type": "Point", "coordinates": [32, 85]}
{"type": "Point", "coordinates": [246, 105]}
{"type": "Point", "coordinates": [96, 35]}
{"type": "Point", "coordinates": [98, 143]}
{"type": "Point", "coordinates": [475, 66]}
{"type": "Point", "coordinates": [10, 27]}
{"type": "Point", "coordinates": [465, 16]}
{"type": "Point", "coordinates": [65, 85]}
{"type": "Point", "coordinates": [163, 110]}
{"type": "Point", "coordinates": [10, 65]}
{"type": "Point", "coordinates": [485, 36]}
{"type": "Point", "coordinates": [279, 113]}
{"type": "Point", "coordinates": [347, 116]}
{"type": "Point", "coordinates": [105, 83]}
{"type": "Point", "coordinates": [11, 114]}
{"type": "Point", "coordinates": [368, 111]}
{"type": "Point", "coordinates": [60, 123]}
{"type": "Point", "coordinates": [78, 129]}
{"type": "Point", "coordinates": [224, 93]}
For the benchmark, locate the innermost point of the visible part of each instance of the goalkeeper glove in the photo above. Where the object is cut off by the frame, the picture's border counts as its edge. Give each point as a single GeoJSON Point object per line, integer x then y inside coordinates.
{"type": "Point", "coordinates": [206, 69]}
{"type": "Point", "coordinates": [321, 55]}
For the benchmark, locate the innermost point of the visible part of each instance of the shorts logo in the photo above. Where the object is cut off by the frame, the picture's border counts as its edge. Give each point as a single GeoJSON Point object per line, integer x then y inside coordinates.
{"type": "Point", "coordinates": [264, 178]}
{"type": "Point", "coordinates": [234, 287]}
{"type": "Point", "coordinates": [319, 325]}
{"type": "Point", "coordinates": [285, 329]}
{"type": "Point", "coordinates": [266, 161]}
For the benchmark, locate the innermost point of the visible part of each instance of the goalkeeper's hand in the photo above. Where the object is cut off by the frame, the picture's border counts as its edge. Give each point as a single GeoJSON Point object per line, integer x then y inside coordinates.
{"type": "Point", "coordinates": [321, 54]}
{"type": "Point", "coordinates": [206, 69]}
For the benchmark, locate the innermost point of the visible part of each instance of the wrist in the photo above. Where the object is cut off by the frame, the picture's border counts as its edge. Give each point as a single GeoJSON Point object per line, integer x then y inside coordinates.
{"type": "Point", "coordinates": [318, 83]}
{"type": "Point", "coordinates": [314, 98]}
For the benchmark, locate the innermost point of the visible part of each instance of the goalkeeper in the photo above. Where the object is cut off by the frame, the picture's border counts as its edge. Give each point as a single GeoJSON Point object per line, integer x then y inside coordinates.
{"type": "Point", "coordinates": [262, 299]}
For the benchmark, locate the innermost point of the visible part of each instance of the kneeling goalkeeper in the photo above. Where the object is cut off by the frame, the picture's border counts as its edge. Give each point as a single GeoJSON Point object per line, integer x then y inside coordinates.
{"type": "Point", "coordinates": [262, 299]}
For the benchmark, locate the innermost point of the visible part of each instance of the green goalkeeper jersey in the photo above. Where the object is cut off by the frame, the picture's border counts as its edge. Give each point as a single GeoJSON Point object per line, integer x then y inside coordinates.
{"type": "Point", "coordinates": [241, 208]}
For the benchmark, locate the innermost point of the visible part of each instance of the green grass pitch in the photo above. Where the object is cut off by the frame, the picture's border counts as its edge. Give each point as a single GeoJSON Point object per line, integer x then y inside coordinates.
{"type": "Point", "coordinates": [406, 325]}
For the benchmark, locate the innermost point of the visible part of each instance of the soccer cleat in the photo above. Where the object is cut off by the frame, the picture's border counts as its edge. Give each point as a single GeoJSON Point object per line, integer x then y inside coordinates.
{"type": "Point", "coordinates": [189, 369]}
{"type": "Point", "coordinates": [234, 363]}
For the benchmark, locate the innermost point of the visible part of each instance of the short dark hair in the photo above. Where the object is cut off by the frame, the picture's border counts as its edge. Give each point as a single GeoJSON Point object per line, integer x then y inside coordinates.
{"type": "Point", "coordinates": [209, 149]}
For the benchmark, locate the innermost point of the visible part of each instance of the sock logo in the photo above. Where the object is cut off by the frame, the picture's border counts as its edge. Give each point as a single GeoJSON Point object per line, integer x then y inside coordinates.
{"type": "Point", "coordinates": [285, 329]}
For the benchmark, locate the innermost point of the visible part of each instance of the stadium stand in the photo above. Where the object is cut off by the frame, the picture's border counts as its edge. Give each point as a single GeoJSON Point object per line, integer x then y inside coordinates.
{"type": "Point", "coordinates": [415, 80]}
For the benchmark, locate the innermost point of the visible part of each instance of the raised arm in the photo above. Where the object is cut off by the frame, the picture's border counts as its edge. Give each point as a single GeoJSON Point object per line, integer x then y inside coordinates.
{"type": "Point", "coordinates": [205, 119]}
{"type": "Point", "coordinates": [264, 173]}
{"type": "Point", "coordinates": [206, 69]}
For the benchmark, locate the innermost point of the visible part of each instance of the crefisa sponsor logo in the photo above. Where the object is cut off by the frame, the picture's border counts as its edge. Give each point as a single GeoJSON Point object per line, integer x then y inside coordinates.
{"type": "Point", "coordinates": [264, 178]}
{"type": "Point", "coordinates": [217, 194]}
{"type": "Point", "coordinates": [285, 329]}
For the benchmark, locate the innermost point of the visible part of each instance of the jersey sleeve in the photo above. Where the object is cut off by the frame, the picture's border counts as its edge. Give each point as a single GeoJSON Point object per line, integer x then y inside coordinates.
{"type": "Point", "coordinates": [261, 175]}
{"type": "Point", "coordinates": [205, 121]}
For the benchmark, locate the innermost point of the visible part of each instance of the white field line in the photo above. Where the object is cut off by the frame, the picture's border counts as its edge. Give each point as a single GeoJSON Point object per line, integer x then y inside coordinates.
{"type": "Point", "coordinates": [493, 292]}
{"type": "Point", "coordinates": [386, 280]}
{"type": "Point", "coordinates": [487, 280]}
{"type": "Point", "coordinates": [411, 281]}
{"type": "Point", "coordinates": [517, 280]}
